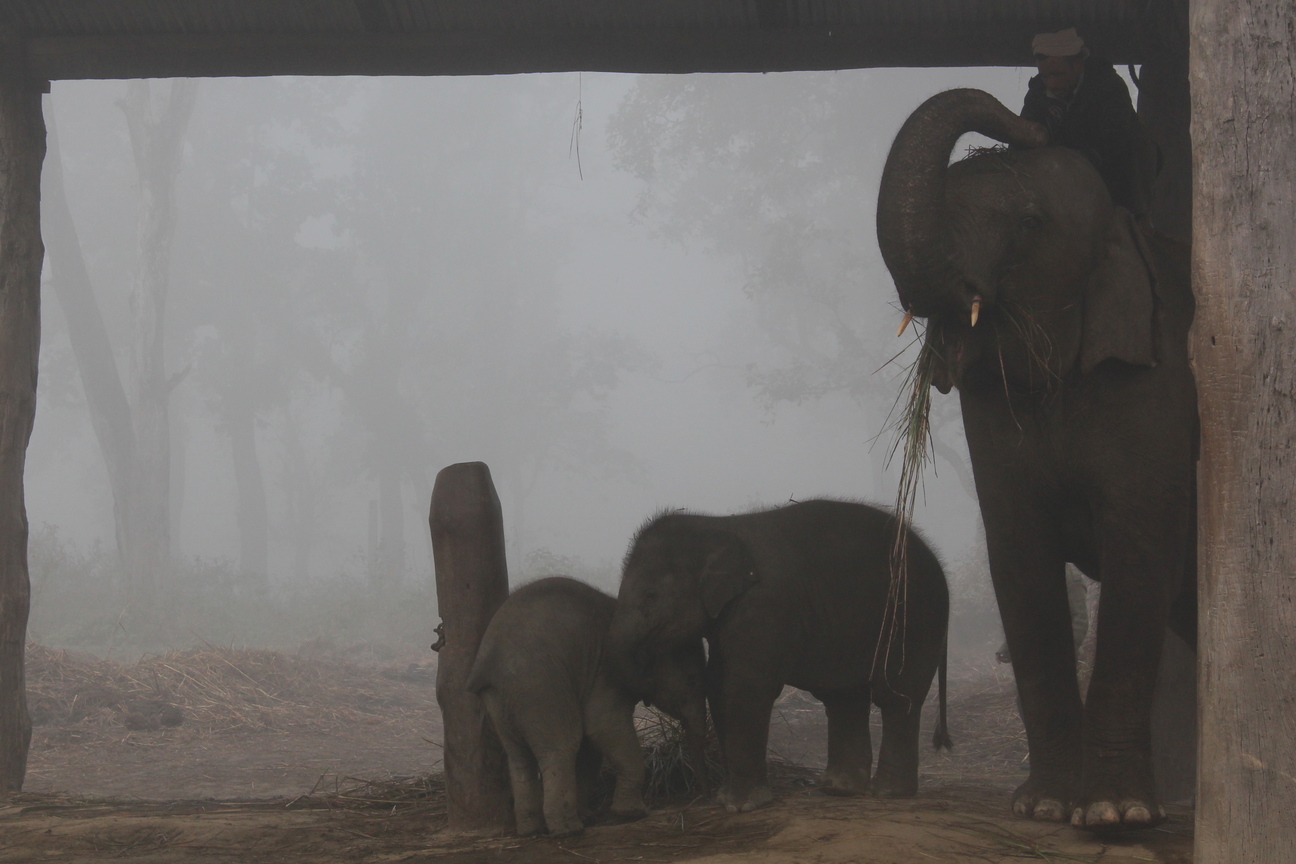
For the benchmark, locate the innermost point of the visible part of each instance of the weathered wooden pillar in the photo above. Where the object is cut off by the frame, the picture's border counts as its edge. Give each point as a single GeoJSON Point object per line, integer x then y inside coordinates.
{"type": "Point", "coordinates": [472, 581]}
{"type": "Point", "coordinates": [22, 149]}
{"type": "Point", "coordinates": [1244, 341]}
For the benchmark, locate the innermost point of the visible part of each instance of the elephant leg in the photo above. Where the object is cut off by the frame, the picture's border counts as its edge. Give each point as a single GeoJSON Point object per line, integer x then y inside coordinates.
{"type": "Point", "coordinates": [1028, 571]}
{"type": "Point", "coordinates": [850, 748]}
{"type": "Point", "coordinates": [609, 722]}
{"type": "Point", "coordinates": [589, 765]}
{"type": "Point", "coordinates": [745, 702]}
{"type": "Point", "coordinates": [524, 773]}
{"type": "Point", "coordinates": [554, 730]}
{"type": "Point", "coordinates": [1140, 582]}
{"type": "Point", "coordinates": [897, 768]}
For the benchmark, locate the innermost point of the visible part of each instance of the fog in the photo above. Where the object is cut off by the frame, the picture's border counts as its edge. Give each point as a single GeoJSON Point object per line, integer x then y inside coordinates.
{"type": "Point", "coordinates": [622, 293]}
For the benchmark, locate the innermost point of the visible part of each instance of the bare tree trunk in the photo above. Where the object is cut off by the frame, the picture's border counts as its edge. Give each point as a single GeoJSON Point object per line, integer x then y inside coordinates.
{"type": "Point", "coordinates": [303, 505]}
{"type": "Point", "coordinates": [110, 412]}
{"type": "Point", "coordinates": [1244, 269]}
{"type": "Point", "coordinates": [253, 520]}
{"type": "Point", "coordinates": [391, 546]}
{"type": "Point", "coordinates": [22, 147]}
{"type": "Point", "coordinates": [156, 132]}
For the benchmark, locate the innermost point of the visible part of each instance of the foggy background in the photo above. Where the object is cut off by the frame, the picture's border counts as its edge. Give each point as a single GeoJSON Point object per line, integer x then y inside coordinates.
{"type": "Point", "coordinates": [620, 292]}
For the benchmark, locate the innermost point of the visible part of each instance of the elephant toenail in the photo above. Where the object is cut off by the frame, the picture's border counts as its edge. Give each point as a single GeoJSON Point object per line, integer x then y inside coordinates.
{"type": "Point", "coordinates": [1019, 808]}
{"type": "Point", "coordinates": [1138, 813]}
{"type": "Point", "coordinates": [1050, 810]}
{"type": "Point", "coordinates": [1102, 813]}
{"type": "Point", "coordinates": [1077, 817]}
{"type": "Point", "coordinates": [1161, 811]}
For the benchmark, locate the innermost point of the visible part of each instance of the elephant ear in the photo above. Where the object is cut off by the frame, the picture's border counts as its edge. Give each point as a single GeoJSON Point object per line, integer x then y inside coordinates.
{"type": "Point", "coordinates": [1120, 305]}
{"type": "Point", "coordinates": [727, 573]}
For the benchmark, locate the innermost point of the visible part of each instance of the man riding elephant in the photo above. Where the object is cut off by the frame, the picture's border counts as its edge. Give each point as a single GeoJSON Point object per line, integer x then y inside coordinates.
{"type": "Point", "coordinates": [1086, 106]}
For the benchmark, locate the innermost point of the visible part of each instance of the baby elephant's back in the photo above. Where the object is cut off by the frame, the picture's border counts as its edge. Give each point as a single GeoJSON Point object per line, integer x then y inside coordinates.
{"type": "Point", "coordinates": [846, 546]}
{"type": "Point", "coordinates": [551, 630]}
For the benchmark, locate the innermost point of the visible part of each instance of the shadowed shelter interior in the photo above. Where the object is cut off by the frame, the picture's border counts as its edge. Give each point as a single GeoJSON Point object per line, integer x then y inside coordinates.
{"type": "Point", "coordinates": [43, 40]}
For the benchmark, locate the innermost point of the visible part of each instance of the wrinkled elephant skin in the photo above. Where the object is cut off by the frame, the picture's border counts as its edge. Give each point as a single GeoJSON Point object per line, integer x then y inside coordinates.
{"type": "Point", "coordinates": [1080, 411]}
{"type": "Point", "coordinates": [541, 674]}
{"type": "Point", "coordinates": [794, 595]}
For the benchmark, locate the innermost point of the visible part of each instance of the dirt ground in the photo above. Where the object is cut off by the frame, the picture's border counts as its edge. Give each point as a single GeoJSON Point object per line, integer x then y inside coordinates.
{"type": "Point", "coordinates": [263, 767]}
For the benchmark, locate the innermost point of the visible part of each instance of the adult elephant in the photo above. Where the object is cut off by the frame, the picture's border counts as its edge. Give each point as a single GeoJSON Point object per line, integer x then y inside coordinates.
{"type": "Point", "coordinates": [1063, 324]}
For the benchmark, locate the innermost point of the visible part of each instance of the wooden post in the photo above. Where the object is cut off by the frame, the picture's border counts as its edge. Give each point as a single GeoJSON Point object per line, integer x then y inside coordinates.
{"type": "Point", "coordinates": [472, 581]}
{"type": "Point", "coordinates": [22, 149]}
{"type": "Point", "coordinates": [1244, 341]}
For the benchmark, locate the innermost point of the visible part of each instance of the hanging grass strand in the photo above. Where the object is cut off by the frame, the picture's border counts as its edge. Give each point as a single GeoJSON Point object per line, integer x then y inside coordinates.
{"type": "Point", "coordinates": [912, 429]}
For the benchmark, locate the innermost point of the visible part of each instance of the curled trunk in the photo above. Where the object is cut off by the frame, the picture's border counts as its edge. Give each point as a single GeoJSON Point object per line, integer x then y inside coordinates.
{"type": "Point", "coordinates": [912, 223]}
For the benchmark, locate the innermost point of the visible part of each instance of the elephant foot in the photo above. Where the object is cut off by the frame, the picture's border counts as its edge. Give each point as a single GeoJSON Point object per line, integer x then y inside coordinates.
{"type": "Point", "coordinates": [530, 827]}
{"type": "Point", "coordinates": [566, 829]}
{"type": "Point", "coordinates": [1125, 815]}
{"type": "Point", "coordinates": [1042, 800]}
{"type": "Point", "coordinates": [628, 811]}
{"type": "Point", "coordinates": [843, 783]}
{"type": "Point", "coordinates": [758, 797]}
{"type": "Point", "coordinates": [1117, 795]}
{"type": "Point", "coordinates": [887, 787]}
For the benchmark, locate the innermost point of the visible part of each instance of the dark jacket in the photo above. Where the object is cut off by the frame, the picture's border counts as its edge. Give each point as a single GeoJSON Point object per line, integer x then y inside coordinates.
{"type": "Point", "coordinates": [1100, 122]}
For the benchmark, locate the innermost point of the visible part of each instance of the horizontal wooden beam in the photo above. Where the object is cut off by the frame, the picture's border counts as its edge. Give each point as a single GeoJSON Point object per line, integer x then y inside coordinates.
{"type": "Point", "coordinates": [664, 50]}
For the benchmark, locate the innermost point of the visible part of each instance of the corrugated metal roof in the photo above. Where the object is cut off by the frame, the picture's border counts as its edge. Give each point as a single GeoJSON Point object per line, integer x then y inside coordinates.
{"type": "Point", "coordinates": [152, 17]}
{"type": "Point", "coordinates": [119, 38]}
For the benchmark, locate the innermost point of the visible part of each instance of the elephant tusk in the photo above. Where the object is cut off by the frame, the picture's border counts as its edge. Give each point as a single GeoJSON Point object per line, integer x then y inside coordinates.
{"type": "Point", "coordinates": [905, 323]}
{"type": "Point", "coordinates": [976, 310]}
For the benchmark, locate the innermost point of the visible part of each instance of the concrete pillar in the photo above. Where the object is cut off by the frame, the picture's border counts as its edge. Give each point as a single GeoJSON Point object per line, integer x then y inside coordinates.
{"type": "Point", "coordinates": [472, 582]}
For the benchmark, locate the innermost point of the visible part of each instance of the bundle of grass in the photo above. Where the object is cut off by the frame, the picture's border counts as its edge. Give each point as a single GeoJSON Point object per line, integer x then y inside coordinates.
{"type": "Point", "coordinates": [671, 774]}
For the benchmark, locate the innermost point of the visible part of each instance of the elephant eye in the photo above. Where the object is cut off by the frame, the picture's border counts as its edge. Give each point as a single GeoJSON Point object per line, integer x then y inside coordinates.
{"type": "Point", "coordinates": [1030, 221]}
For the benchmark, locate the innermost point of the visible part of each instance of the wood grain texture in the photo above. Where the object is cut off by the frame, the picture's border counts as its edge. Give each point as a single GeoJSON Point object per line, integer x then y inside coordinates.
{"type": "Point", "coordinates": [1244, 342]}
{"type": "Point", "coordinates": [472, 582]}
{"type": "Point", "coordinates": [22, 148]}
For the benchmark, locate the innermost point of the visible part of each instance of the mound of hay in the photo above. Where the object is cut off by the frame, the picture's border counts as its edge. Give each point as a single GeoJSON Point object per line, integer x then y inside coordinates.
{"type": "Point", "coordinates": [212, 690]}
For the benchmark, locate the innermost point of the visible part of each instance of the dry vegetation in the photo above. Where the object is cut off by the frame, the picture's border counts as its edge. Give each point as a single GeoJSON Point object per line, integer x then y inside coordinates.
{"type": "Point", "coordinates": [215, 690]}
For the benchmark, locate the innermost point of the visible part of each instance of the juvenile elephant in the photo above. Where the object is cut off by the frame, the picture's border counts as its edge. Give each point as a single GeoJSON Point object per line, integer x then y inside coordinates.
{"type": "Point", "coordinates": [557, 705]}
{"type": "Point", "coordinates": [1063, 324]}
{"type": "Point", "coordinates": [793, 595]}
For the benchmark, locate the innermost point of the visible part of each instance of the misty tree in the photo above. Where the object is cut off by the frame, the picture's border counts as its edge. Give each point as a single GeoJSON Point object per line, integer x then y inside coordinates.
{"type": "Point", "coordinates": [252, 186]}
{"type": "Point", "coordinates": [438, 323]}
{"type": "Point", "coordinates": [780, 173]}
{"type": "Point", "coordinates": [131, 420]}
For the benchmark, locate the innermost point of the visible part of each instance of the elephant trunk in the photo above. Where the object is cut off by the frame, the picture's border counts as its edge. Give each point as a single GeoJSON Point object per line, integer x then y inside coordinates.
{"type": "Point", "coordinates": [912, 220]}
{"type": "Point", "coordinates": [629, 656]}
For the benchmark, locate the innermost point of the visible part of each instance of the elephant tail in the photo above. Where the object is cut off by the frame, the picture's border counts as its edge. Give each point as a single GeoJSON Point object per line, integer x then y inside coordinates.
{"type": "Point", "coordinates": [942, 737]}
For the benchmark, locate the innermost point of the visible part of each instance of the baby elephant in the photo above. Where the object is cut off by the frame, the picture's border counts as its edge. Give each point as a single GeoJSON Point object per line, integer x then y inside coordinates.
{"type": "Point", "coordinates": [793, 595]}
{"type": "Point", "coordinates": [542, 673]}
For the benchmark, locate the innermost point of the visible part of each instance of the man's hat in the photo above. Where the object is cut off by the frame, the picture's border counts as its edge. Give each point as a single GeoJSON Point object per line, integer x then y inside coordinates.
{"type": "Point", "coordinates": [1063, 43]}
